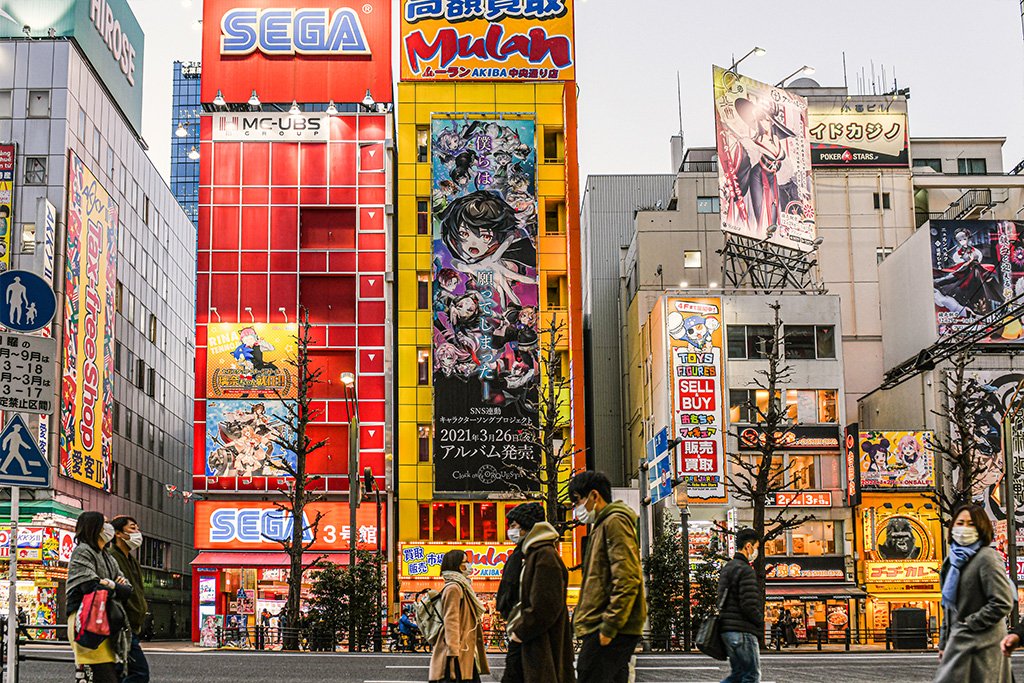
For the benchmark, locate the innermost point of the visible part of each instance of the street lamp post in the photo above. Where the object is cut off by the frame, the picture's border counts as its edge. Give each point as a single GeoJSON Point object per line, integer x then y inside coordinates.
{"type": "Point", "coordinates": [348, 380]}
{"type": "Point", "coordinates": [758, 51]}
{"type": "Point", "coordinates": [371, 484]}
{"type": "Point", "coordinates": [683, 503]}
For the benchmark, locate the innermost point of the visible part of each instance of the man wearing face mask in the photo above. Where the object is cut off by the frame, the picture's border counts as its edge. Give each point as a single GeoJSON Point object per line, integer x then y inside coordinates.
{"type": "Point", "coordinates": [129, 538]}
{"type": "Point", "coordinates": [611, 611]}
{"type": "Point", "coordinates": [742, 617]}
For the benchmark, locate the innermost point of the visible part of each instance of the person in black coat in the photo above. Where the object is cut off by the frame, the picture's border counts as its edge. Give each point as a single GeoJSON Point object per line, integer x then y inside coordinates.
{"type": "Point", "coordinates": [742, 617]}
{"type": "Point", "coordinates": [521, 520]}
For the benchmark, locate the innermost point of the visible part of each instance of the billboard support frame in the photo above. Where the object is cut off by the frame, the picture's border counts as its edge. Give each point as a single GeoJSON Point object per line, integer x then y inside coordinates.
{"type": "Point", "coordinates": [768, 268]}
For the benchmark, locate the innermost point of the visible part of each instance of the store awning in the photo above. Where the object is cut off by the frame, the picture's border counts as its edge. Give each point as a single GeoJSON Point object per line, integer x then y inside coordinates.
{"type": "Point", "coordinates": [208, 558]}
{"type": "Point", "coordinates": [816, 591]}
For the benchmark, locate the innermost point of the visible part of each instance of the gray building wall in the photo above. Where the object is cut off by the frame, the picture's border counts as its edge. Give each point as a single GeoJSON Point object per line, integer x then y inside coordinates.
{"type": "Point", "coordinates": [609, 205]}
{"type": "Point", "coordinates": [152, 443]}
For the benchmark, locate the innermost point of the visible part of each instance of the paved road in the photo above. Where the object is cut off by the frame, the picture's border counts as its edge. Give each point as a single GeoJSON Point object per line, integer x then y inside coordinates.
{"type": "Point", "coordinates": [236, 667]}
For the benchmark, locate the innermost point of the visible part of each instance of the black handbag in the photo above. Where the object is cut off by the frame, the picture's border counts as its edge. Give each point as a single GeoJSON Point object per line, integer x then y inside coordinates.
{"type": "Point", "coordinates": [709, 635]}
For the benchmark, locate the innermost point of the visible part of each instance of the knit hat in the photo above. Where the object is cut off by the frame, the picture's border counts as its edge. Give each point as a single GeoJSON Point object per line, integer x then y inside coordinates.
{"type": "Point", "coordinates": [526, 515]}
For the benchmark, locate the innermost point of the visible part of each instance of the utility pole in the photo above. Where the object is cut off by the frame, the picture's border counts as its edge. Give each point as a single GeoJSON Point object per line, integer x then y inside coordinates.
{"type": "Point", "coordinates": [683, 503]}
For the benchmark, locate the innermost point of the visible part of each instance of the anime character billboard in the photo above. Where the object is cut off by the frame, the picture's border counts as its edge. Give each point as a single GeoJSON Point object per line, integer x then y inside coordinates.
{"type": "Point", "coordinates": [976, 267]}
{"type": "Point", "coordinates": [764, 161]}
{"type": "Point", "coordinates": [896, 460]}
{"type": "Point", "coordinates": [250, 360]}
{"type": "Point", "coordinates": [485, 304]}
{"type": "Point", "coordinates": [242, 436]}
{"type": "Point", "coordinates": [694, 328]}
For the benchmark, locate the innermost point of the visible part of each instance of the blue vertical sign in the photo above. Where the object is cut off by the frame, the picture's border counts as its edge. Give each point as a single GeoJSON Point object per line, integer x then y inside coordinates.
{"type": "Point", "coordinates": [659, 467]}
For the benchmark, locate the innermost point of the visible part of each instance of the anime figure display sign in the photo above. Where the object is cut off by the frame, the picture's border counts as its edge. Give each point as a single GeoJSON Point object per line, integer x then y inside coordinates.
{"type": "Point", "coordinates": [694, 328]}
{"type": "Point", "coordinates": [485, 304]}
{"type": "Point", "coordinates": [242, 438]}
{"type": "Point", "coordinates": [764, 162]}
{"type": "Point", "coordinates": [976, 267]}
{"type": "Point", "coordinates": [251, 360]}
{"type": "Point", "coordinates": [896, 460]}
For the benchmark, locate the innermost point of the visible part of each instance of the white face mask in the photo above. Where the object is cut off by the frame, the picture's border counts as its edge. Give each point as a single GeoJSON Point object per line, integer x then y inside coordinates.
{"type": "Point", "coordinates": [107, 532]}
{"type": "Point", "coordinates": [515, 534]}
{"type": "Point", "coordinates": [965, 535]}
{"type": "Point", "coordinates": [134, 540]}
{"type": "Point", "coordinates": [581, 513]}
{"type": "Point", "coordinates": [753, 555]}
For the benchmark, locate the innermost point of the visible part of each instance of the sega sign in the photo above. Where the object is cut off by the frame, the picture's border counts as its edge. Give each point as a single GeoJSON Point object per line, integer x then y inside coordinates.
{"type": "Point", "coordinates": [257, 525]}
{"type": "Point", "coordinates": [309, 51]}
{"type": "Point", "coordinates": [305, 31]}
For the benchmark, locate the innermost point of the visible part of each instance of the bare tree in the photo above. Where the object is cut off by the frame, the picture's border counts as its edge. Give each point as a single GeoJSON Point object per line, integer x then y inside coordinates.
{"type": "Point", "coordinates": [297, 494]}
{"type": "Point", "coordinates": [550, 474]}
{"type": "Point", "coordinates": [963, 451]}
{"type": "Point", "coordinates": [758, 478]}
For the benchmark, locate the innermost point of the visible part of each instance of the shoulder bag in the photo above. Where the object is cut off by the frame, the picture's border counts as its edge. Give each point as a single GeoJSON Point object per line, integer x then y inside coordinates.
{"type": "Point", "coordinates": [709, 635]}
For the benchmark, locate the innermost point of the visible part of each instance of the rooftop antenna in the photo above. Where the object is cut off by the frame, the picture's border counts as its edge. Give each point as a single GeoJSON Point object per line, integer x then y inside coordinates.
{"type": "Point", "coordinates": [679, 95]}
{"type": "Point", "coordinates": [846, 82]}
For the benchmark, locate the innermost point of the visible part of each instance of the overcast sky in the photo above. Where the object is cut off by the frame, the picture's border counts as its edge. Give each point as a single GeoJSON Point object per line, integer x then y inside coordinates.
{"type": "Point", "coordinates": [964, 64]}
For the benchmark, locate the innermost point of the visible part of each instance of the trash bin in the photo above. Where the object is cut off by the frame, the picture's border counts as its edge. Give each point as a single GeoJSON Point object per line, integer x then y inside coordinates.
{"type": "Point", "coordinates": [909, 628]}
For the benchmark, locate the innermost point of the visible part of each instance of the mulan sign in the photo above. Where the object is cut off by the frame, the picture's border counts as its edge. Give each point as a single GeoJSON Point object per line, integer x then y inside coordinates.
{"type": "Point", "coordinates": [485, 305]}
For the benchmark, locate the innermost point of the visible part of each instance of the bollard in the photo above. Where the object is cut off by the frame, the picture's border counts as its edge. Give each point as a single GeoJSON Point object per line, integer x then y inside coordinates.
{"type": "Point", "coordinates": [888, 640]}
{"type": "Point", "coordinates": [818, 630]}
{"type": "Point", "coordinates": [846, 638]}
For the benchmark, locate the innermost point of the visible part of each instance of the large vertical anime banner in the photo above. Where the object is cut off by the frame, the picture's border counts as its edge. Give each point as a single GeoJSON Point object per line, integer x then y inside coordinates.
{"type": "Point", "coordinates": [976, 267]}
{"type": "Point", "coordinates": [764, 161]}
{"type": "Point", "coordinates": [485, 303]}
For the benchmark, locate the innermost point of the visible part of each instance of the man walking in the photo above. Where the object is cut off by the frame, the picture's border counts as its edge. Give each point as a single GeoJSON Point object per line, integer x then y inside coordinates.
{"type": "Point", "coordinates": [611, 611]}
{"type": "Point", "coordinates": [128, 537]}
{"type": "Point", "coordinates": [742, 617]}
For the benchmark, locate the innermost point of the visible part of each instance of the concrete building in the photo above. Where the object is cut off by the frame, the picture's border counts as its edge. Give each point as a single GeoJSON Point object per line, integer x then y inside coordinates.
{"type": "Point", "coordinates": [610, 203]}
{"type": "Point", "coordinates": [185, 112]}
{"type": "Point", "coordinates": [68, 107]}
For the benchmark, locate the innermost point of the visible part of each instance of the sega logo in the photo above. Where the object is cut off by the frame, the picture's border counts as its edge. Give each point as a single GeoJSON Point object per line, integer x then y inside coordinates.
{"type": "Point", "coordinates": [254, 525]}
{"type": "Point", "coordinates": [305, 31]}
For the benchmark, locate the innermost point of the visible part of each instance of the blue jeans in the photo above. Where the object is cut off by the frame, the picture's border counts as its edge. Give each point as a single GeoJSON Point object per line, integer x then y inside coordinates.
{"type": "Point", "coordinates": [138, 667]}
{"type": "Point", "coordinates": [744, 657]}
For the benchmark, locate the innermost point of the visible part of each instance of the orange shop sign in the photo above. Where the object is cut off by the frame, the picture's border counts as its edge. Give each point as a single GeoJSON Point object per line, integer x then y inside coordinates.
{"type": "Point", "coordinates": [901, 572]}
{"type": "Point", "coordinates": [245, 525]}
{"type": "Point", "coordinates": [423, 560]}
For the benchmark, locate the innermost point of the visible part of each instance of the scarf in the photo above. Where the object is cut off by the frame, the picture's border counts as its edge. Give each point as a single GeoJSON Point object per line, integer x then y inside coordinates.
{"type": "Point", "coordinates": [959, 556]}
{"type": "Point", "coordinates": [467, 590]}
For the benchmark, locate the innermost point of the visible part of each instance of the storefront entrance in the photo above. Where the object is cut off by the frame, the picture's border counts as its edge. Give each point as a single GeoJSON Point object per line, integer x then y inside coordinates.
{"type": "Point", "coordinates": [880, 607]}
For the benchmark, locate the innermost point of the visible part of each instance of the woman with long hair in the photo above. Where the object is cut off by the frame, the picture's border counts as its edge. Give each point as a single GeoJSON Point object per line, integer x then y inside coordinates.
{"type": "Point", "coordinates": [91, 568]}
{"type": "Point", "coordinates": [459, 653]}
{"type": "Point", "coordinates": [976, 598]}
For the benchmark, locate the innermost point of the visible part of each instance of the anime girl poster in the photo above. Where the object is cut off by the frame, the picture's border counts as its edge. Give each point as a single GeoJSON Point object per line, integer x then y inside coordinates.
{"type": "Point", "coordinates": [241, 438]}
{"type": "Point", "coordinates": [976, 267]}
{"type": "Point", "coordinates": [764, 161]}
{"type": "Point", "coordinates": [485, 302]}
{"type": "Point", "coordinates": [896, 460]}
{"type": "Point", "coordinates": [251, 360]}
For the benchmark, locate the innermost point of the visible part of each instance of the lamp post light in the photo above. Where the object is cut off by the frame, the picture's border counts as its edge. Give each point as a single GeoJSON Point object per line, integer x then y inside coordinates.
{"type": "Point", "coordinates": [348, 381]}
{"type": "Point", "coordinates": [802, 71]}
{"type": "Point", "coordinates": [756, 52]}
{"type": "Point", "coordinates": [372, 485]}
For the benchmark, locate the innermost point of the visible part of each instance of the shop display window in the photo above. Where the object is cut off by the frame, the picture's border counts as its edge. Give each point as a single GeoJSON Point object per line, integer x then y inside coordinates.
{"type": "Point", "coordinates": [776, 546]}
{"type": "Point", "coordinates": [471, 522]}
{"type": "Point", "coordinates": [485, 522]}
{"type": "Point", "coordinates": [464, 512]}
{"type": "Point", "coordinates": [814, 538]}
{"type": "Point", "coordinates": [443, 527]}
{"type": "Point", "coordinates": [802, 472]}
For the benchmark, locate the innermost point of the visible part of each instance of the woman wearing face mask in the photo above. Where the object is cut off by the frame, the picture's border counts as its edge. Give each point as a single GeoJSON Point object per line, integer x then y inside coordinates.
{"type": "Point", "coordinates": [976, 598]}
{"type": "Point", "coordinates": [459, 654]}
{"type": "Point", "coordinates": [91, 569]}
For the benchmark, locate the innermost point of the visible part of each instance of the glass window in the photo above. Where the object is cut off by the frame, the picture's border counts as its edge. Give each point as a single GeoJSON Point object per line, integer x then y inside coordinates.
{"type": "Point", "coordinates": [152, 328]}
{"type": "Point", "coordinates": [691, 259]}
{"type": "Point", "coordinates": [814, 538]}
{"type": "Point", "coordinates": [38, 104]}
{"type": "Point", "coordinates": [6, 104]}
{"type": "Point", "coordinates": [554, 218]}
{"type": "Point", "coordinates": [422, 143]}
{"type": "Point", "coordinates": [708, 205]}
{"type": "Point", "coordinates": [761, 401]}
{"type": "Point", "coordinates": [736, 341]}
{"type": "Point", "coordinates": [934, 164]}
{"type": "Point", "coordinates": [423, 366]}
{"type": "Point", "coordinates": [759, 341]}
{"type": "Point", "coordinates": [739, 406]}
{"type": "Point", "coordinates": [422, 217]}
{"type": "Point", "coordinates": [97, 142]}
{"type": "Point", "coordinates": [422, 291]}
{"type": "Point", "coordinates": [802, 405]}
{"type": "Point", "coordinates": [465, 509]}
{"type": "Point", "coordinates": [828, 408]}
{"type": "Point", "coordinates": [423, 438]}
{"type": "Point", "coordinates": [554, 146]}
{"type": "Point", "coordinates": [117, 356]}
{"type": "Point", "coordinates": [799, 342]}
{"type": "Point", "coordinates": [35, 170]}
{"type": "Point", "coordinates": [881, 253]}
{"type": "Point", "coordinates": [802, 472]}
{"type": "Point", "coordinates": [485, 522]}
{"type": "Point", "coordinates": [81, 123]}
{"type": "Point", "coordinates": [829, 472]}
{"type": "Point", "coordinates": [971, 167]}
{"type": "Point", "coordinates": [28, 238]}
{"type": "Point", "coordinates": [443, 524]}
{"type": "Point", "coordinates": [881, 201]}
{"type": "Point", "coordinates": [425, 521]}
{"type": "Point", "coordinates": [776, 546]}
{"type": "Point", "coordinates": [825, 340]}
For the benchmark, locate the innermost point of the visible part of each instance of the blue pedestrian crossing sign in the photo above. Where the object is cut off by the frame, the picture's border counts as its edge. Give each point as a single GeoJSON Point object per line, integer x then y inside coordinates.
{"type": "Point", "coordinates": [21, 462]}
{"type": "Point", "coordinates": [27, 302]}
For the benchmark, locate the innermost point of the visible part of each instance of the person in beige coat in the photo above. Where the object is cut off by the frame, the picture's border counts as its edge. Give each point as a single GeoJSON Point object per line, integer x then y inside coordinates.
{"type": "Point", "coordinates": [459, 654]}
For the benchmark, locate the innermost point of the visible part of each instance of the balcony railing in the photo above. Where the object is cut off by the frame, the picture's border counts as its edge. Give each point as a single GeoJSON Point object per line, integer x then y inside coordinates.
{"type": "Point", "coordinates": [967, 204]}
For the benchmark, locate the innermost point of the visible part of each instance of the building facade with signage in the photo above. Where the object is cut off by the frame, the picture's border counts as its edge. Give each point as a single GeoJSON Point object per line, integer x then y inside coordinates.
{"type": "Point", "coordinates": [186, 110]}
{"type": "Point", "coordinates": [117, 442]}
{"type": "Point", "coordinates": [294, 224]}
{"type": "Point", "coordinates": [487, 255]}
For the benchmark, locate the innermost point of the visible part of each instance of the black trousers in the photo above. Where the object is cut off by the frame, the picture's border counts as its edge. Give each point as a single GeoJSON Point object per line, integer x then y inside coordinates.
{"type": "Point", "coordinates": [605, 664]}
{"type": "Point", "coordinates": [513, 663]}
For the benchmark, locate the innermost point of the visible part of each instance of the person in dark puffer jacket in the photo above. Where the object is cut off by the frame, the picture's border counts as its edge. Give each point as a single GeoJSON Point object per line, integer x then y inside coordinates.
{"type": "Point", "coordinates": [742, 617]}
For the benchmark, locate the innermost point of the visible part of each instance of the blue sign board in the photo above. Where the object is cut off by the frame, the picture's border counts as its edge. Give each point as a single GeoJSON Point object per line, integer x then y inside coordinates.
{"type": "Point", "coordinates": [659, 467]}
{"type": "Point", "coordinates": [27, 302]}
{"type": "Point", "coordinates": [21, 462]}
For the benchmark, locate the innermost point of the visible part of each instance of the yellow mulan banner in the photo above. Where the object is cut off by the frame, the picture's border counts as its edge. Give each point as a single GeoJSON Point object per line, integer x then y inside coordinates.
{"type": "Point", "coordinates": [489, 40]}
{"type": "Point", "coordinates": [87, 393]}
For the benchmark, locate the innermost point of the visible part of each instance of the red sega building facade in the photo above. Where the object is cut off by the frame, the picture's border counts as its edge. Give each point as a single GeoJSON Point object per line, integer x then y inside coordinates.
{"type": "Point", "coordinates": [294, 215]}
